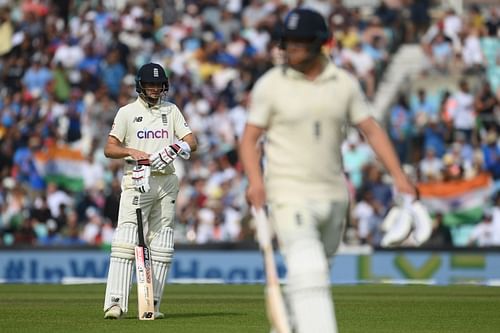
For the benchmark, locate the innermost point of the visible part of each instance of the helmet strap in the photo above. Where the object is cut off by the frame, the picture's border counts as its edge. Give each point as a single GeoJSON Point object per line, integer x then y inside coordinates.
{"type": "Point", "coordinates": [152, 101]}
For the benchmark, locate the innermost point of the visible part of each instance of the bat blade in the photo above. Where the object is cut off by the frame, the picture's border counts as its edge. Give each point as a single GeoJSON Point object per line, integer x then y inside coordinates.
{"type": "Point", "coordinates": [276, 310]}
{"type": "Point", "coordinates": [144, 275]}
{"type": "Point", "coordinates": [275, 304]}
{"type": "Point", "coordinates": [144, 283]}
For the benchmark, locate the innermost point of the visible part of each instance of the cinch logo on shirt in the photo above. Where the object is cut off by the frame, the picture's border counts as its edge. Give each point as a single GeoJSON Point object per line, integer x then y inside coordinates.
{"type": "Point", "coordinates": [150, 134]}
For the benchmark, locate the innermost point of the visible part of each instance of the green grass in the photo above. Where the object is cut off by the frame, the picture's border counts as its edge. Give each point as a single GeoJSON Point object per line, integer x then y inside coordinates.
{"type": "Point", "coordinates": [233, 308]}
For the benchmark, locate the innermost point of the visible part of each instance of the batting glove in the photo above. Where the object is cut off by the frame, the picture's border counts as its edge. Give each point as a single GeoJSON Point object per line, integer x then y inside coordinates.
{"type": "Point", "coordinates": [140, 175]}
{"type": "Point", "coordinates": [162, 158]}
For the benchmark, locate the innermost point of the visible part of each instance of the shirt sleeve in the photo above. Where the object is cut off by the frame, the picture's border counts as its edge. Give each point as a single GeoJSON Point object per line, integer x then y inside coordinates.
{"type": "Point", "coordinates": [358, 107]}
{"type": "Point", "coordinates": [119, 127]}
{"type": "Point", "coordinates": [260, 106]}
{"type": "Point", "coordinates": [181, 127]}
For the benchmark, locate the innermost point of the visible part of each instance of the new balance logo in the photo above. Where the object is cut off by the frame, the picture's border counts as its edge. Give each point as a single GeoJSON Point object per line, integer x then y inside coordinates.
{"type": "Point", "coordinates": [137, 119]}
{"type": "Point", "coordinates": [115, 299]}
{"type": "Point", "coordinates": [147, 315]}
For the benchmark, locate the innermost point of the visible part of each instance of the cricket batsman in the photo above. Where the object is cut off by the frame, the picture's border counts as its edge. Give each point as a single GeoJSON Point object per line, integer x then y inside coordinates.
{"type": "Point", "coordinates": [149, 133]}
{"type": "Point", "coordinates": [302, 107]}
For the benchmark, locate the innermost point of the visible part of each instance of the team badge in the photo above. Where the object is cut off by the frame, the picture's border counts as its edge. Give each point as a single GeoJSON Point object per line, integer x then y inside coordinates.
{"type": "Point", "coordinates": [293, 21]}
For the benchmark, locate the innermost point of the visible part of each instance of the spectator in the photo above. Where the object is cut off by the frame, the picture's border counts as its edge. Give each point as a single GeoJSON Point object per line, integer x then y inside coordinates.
{"type": "Point", "coordinates": [463, 115]}
{"type": "Point", "coordinates": [491, 153]}
{"type": "Point", "coordinates": [25, 169]}
{"type": "Point", "coordinates": [362, 214]}
{"type": "Point", "coordinates": [430, 166]}
{"type": "Point", "coordinates": [92, 229]}
{"type": "Point", "coordinates": [452, 28]}
{"type": "Point", "coordinates": [493, 22]}
{"type": "Point", "coordinates": [112, 72]}
{"type": "Point", "coordinates": [41, 211]}
{"type": "Point", "coordinates": [53, 237]}
{"type": "Point", "coordinates": [462, 149]}
{"type": "Point", "coordinates": [355, 158]}
{"type": "Point", "coordinates": [434, 136]}
{"type": "Point", "coordinates": [253, 14]}
{"type": "Point", "coordinates": [364, 67]}
{"type": "Point", "coordinates": [55, 198]}
{"type": "Point", "coordinates": [441, 234]}
{"type": "Point", "coordinates": [484, 233]}
{"type": "Point", "coordinates": [400, 126]}
{"type": "Point", "coordinates": [441, 53]}
{"type": "Point", "coordinates": [25, 233]}
{"type": "Point", "coordinates": [340, 16]}
{"type": "Point", "coordinates": [419, 18]}
{"type": "Point", "coordinates": [485, 104]}
{"type": "Point", "coordinates": [375, 30]}
{"type": "Point", "coordinates": [452, 168]}
{"type": "Point", "coordinates": [37, 77]}
{"type": "Point", "coordinates": [374, 183]}
{"type": "Point", "coordinates": [475, 18]}
{"type": "Point", "coordinates": [472, 55]}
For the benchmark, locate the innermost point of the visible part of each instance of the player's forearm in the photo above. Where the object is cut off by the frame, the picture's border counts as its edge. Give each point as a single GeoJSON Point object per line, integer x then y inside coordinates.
{"type": "Point", "coordinates": [250, 158]}
{"type": "Point", "coordinates": [382, 146]}
{"type": "Point", "coordinates": [190, 139]}
{"type": "Point", "coordinates": [116, 151]}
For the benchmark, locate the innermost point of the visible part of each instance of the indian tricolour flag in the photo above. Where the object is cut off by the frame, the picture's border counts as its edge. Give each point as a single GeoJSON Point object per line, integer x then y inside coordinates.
{"type": "Point", "coordinates": [63, 166]}
{"type": "Point", "coordinates": [460, 201]}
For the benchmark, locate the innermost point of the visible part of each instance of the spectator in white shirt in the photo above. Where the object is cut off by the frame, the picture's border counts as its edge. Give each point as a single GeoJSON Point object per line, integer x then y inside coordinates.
{"type": "Point", "coordinates": [484, 233]}
{"type": "Point", "coordinates": [452, 26]}
{"type": "Point", "coordinates": [463, 115]}
{"type": "Point", "coordinates": [362, 214]}
{"type": "Point", "coordinates": [56, 198]}
{"type": "Point", "coordinates": [364, 67]}
{"type": "Point", "coordinates": [472, 56]}
{"type": "Point", "coordinates": [430, 166]}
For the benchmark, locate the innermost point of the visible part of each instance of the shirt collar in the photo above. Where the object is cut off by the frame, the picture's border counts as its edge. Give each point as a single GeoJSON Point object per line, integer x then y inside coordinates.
{"type": "Point", "coordinates": [329, 72]}
{"type": "Point", "coordinates": [146, 105]}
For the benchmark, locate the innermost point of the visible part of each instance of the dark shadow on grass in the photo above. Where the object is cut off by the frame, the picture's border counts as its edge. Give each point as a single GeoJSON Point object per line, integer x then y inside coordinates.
{"type": "Point", "coordinates": [193, 315]}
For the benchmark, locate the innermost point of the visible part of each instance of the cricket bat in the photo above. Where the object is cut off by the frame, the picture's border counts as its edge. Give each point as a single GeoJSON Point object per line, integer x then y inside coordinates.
{"type": "Point", "coordinates": [276, 310]}
{"type": "Point", "coordinates": [144, 274]}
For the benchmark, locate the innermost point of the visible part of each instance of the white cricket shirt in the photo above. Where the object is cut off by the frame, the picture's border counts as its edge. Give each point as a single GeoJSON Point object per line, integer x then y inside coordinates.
{"type": "Point", "coordinates": [149, 128]}
{"type": "Point", "coordinates": [305, 122]}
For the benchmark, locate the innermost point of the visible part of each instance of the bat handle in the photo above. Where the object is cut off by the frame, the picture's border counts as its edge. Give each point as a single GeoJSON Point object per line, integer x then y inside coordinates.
{"type": "Point", "coordinates": [140, 227]}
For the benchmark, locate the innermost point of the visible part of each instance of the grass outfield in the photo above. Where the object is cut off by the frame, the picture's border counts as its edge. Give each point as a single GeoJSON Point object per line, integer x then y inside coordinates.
{"type": "Point", "coordinates": [235, 308]}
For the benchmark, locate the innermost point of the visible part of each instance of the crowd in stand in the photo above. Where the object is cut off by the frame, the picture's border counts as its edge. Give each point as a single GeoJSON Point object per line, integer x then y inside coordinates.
{"type": "Point", "coordinates": [67, 67]}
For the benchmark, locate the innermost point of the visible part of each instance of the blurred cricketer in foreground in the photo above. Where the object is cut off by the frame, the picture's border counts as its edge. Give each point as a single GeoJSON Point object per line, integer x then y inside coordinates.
{"type": "Point", "coordinates": [149, 134]}
{"type": "Point", "coordinates": [301, 107]}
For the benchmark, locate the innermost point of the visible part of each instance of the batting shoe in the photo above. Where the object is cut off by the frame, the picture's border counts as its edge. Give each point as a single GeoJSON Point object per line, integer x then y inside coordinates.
{"type": "Point", "coordinates": [159, 315]}
{"type": "Point", "coordinates": [113, 312]}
